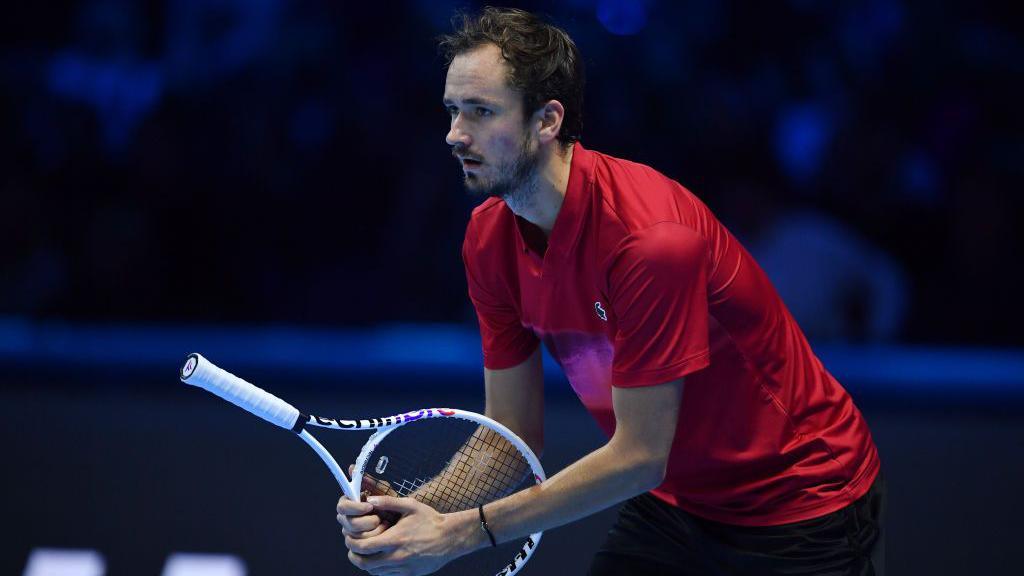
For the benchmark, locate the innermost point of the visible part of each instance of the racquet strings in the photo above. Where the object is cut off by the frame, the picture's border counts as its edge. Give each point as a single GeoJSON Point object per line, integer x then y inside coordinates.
{"type": "Point", "coordinates": [451, 465]}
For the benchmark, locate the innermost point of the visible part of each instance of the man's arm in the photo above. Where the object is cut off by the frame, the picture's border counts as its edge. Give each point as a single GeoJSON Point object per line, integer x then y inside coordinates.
{"type": "Point", "coordinates": [632, 462]}
{"type": "Point", "coordinates": [515, 398]}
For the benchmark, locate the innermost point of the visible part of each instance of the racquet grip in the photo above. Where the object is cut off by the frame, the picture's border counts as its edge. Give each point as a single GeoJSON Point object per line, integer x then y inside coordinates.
{"type": "Point", "coordinates": [199, 371]}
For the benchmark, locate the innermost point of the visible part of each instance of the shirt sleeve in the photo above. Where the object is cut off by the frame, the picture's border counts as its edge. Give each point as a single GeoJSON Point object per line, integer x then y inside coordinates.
{"type": "Point", "coordinates": [504, 339]}
{"type": "Point", "coordinates": [657, 287]}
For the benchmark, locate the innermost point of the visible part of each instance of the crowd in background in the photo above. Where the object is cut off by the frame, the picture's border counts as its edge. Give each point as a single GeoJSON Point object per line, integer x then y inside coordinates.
{"type": "Point", "coordinates": [274, 161]}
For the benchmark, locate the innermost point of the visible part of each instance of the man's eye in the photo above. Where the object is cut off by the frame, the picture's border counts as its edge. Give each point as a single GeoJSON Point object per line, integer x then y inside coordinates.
{"type": "Point", "coordinates": [452, 110]}
{"type": "Point", "coordinates": [483, 112]}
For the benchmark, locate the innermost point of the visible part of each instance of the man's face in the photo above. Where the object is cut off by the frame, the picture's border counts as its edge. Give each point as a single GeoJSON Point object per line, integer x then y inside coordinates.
{"type": "Point", "coordinates": [488, 133]}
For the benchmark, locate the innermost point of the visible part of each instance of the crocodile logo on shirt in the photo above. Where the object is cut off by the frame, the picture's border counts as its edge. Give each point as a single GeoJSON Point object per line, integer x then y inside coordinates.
{"type": "Point", "coordinates": [600, 311]}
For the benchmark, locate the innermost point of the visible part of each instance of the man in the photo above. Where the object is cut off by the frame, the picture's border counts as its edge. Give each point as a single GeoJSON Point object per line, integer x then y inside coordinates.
{"type": "Point", "coordinates": [734, 449]}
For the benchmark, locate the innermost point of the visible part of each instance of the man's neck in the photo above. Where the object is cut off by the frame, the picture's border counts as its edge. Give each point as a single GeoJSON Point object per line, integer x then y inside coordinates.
{"type": "Point", "coordinates": [541, 207]}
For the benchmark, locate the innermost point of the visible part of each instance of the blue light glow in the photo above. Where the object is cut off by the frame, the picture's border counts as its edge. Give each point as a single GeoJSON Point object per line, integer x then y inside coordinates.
{"type": "Point", "coordinates": [454, 350]}
{"type": "Point", "coordinates": [622, 17]}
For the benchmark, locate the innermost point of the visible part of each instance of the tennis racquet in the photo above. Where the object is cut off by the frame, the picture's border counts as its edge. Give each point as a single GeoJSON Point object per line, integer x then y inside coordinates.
{"type": "Point", "coordinates": [449, 459]}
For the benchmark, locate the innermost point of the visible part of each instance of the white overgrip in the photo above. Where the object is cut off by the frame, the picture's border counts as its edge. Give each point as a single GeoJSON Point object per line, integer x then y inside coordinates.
{"type": "Point", "coordinates": [199, 371]}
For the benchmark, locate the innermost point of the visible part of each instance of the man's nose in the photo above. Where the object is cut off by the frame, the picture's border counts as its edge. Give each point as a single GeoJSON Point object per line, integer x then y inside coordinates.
{"type": "Point", "coordinates": [456, 134]}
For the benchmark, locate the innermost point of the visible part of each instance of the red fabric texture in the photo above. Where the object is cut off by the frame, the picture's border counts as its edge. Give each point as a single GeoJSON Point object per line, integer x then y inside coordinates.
{"type": "Point", "coordinates": [640, 285]}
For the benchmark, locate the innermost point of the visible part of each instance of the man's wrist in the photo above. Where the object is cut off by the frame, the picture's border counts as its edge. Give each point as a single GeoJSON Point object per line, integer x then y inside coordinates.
{"type": "Point", "coordinates": [469, 537]}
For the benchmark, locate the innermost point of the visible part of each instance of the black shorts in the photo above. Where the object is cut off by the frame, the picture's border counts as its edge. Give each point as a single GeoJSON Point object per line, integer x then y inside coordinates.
{"type": "Point", "coordinates": [651, 537]}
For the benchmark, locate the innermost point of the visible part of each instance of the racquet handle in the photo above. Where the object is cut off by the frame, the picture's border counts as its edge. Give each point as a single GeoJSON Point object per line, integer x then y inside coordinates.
{"type": "Point", "coordinates": [199, 371]}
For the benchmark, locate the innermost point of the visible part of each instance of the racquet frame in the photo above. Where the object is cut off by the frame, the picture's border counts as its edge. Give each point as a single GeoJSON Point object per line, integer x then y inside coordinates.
{"type": "Point", "coordinates": [200, 372]}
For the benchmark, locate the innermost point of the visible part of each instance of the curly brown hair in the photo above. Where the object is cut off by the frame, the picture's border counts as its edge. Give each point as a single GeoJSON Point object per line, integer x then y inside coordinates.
{"type": "Point", "coordinates": [544, 63]}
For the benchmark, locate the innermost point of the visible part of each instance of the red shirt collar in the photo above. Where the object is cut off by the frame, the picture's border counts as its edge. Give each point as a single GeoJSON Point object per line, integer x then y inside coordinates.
{"type": "Point", "coordinates": [569, 222]}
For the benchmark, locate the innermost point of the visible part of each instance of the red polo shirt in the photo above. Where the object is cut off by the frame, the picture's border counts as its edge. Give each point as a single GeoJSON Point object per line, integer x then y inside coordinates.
{"type": "Point", "coordinates": [640, 284]}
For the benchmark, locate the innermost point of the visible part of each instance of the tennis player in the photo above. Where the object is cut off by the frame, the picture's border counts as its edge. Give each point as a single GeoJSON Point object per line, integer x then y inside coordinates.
{"type": "Point", "coordinates": [734, 449]}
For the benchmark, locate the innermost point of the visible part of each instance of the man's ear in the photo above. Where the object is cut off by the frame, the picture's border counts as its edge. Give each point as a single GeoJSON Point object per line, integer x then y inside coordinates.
{"type": "Point", "coordinates": [550, 117]}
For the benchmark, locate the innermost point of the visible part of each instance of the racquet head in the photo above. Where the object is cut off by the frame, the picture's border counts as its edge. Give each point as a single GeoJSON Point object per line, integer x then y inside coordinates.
{"type": "Point", "coordinates": [454, 463]}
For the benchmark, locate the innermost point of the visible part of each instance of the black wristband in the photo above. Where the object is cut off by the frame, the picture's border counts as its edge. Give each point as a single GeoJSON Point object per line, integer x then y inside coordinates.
{"type": "Point", "coordinates": [483, 526]}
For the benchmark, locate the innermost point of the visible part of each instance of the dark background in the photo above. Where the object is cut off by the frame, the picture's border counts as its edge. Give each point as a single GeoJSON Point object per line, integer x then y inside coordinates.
{"type": "Point", "coordinates": [267, 182]}
{"type": "Point", "coordinates": [268, 161]}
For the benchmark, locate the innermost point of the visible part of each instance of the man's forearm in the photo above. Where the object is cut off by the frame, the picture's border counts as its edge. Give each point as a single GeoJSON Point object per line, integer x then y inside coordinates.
{"type": "Point", "coordinates": [632, 462]}
{"type": "Point", "coordinates": [601, 479]}
{"type": "Point", "coordinates": [505, 470]}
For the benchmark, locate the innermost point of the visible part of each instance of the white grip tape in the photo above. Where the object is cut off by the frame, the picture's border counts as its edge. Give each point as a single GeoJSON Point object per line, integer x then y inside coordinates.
{"type": "Point", "coordinates": [199, 371]}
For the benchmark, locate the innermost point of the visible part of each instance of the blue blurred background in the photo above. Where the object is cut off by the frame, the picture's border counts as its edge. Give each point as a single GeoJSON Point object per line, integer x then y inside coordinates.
{"type": "Point", "coordinates": [267, 182]}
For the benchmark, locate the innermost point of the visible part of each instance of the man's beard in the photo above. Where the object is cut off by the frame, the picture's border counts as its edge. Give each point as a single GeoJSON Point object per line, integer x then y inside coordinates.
{"type": "Point", "coordinates": [516, 179]}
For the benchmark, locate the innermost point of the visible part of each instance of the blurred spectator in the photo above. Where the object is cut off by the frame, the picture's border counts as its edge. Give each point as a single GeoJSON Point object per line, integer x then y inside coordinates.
{"type": "Point", "coordinates": [836, 285]}
{"type": "Point", "coordinates": [104, 69]}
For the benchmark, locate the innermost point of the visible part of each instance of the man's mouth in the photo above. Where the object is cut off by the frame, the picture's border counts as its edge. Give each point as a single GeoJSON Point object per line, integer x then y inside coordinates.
{"type": "Point", "coordinates": [470, 162]}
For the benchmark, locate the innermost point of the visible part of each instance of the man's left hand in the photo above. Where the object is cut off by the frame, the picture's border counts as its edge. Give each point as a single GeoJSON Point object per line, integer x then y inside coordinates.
{"type": "Point", "coordinates": [421, 542]}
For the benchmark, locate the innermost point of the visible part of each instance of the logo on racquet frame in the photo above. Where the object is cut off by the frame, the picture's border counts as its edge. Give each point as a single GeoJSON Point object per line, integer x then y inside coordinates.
{"type": "Point", "coordinates": [385, 422]}
{"type": "Point", "coordinates": [520, 557]}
